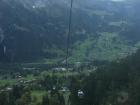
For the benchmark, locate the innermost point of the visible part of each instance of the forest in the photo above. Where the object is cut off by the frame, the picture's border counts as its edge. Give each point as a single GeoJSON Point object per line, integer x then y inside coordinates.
{"type": "Point", "coordinates": [100, 66]}
{"type": "Point", "coordinates": [115, 83]}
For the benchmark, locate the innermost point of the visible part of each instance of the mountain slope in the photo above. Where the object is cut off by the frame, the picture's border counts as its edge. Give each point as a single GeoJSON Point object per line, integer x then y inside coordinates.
{"type": "Point", "coordinates": [33, 29]}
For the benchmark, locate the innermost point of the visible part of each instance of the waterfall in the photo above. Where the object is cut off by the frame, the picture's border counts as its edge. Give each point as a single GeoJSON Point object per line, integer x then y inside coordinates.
{"type": "Point", "coordinates": [1, 36]}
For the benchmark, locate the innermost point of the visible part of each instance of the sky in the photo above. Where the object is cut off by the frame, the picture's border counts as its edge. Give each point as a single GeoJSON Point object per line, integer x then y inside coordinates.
{"type": "Point", "coordinates": [118, 0]}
